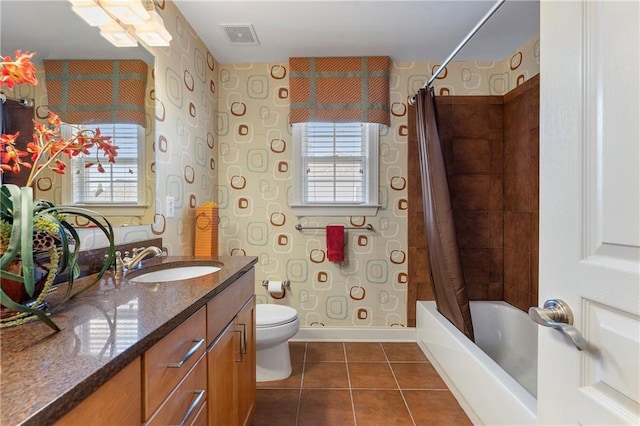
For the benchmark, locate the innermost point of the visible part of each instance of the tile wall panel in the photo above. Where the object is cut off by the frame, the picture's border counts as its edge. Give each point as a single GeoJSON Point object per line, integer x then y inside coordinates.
{"type": "Point", "coordinates": [521, 194]}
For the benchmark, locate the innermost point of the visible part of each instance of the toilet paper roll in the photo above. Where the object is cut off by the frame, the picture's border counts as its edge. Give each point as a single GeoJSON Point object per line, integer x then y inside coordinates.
{"type": "Point", "coordinates": [275, 288]}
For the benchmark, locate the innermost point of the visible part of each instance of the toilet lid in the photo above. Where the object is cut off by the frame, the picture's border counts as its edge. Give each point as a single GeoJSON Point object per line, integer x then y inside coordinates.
{"type": "Point", "coordinates": [270, 315]}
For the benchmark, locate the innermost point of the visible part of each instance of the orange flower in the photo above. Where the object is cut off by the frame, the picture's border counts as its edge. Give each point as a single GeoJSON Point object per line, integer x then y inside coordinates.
{"type": "Point", "coordinates": [34, 149]}
{"type": "Point", "coordinates": [104, 143]}
{"type": "Point", "coordinates": [8, 140]}
{"type": "Point", "coordinates": [18, 71]}
{"type": "Point", "coordinates": [60, 166]}
{"type": "Point", "coordinates": [11, 158]}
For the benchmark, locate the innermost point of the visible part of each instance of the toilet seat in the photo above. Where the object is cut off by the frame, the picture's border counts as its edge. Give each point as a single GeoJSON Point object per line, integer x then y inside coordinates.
{"type": "Point", "coordinates": [270, 315]}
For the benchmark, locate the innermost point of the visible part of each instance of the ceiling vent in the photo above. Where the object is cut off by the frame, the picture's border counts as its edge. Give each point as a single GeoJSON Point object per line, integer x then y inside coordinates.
{"type": "Point", "coordinates": [240, 34]}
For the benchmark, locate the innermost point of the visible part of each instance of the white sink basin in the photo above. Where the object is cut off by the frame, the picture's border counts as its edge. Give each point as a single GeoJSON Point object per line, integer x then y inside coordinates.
{"type": "Point", "coordinates": [174, 274]}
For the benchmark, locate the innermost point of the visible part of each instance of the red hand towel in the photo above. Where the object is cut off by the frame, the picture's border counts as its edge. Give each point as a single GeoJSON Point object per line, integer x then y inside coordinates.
{"type": "Point", "coordinates": [335, 243]}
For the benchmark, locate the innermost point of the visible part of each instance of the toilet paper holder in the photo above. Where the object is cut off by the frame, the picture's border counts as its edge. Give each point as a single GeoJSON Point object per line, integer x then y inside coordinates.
{"type": "Point", "coordinates": [285, 284]}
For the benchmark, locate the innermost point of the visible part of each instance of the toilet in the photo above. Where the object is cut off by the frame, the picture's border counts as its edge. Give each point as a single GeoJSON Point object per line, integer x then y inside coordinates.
{"type": "Point", "coordinates": [275, 325]}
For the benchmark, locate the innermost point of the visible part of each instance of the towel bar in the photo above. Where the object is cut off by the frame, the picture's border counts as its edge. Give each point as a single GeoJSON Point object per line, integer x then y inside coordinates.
{"type": "Point", "coordinates": [368, 227]}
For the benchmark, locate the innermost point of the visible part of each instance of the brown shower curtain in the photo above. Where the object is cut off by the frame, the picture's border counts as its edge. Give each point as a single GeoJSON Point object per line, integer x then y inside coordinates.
{"type": "Point", "coordinates": [444, 256]}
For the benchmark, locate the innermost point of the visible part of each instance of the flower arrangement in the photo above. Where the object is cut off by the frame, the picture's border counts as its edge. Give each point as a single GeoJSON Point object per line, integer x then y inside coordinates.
{"type": "Point", "coordinates": [28, 226]}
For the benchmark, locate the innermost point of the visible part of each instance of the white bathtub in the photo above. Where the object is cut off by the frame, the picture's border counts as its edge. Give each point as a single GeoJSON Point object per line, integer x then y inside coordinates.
{"type": "Point", "coordinates": [489, 393]}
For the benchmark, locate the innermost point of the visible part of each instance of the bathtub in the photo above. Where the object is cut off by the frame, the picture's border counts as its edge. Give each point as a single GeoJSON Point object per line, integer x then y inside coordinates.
{"type": "Point", "coordinates": [495, 381]}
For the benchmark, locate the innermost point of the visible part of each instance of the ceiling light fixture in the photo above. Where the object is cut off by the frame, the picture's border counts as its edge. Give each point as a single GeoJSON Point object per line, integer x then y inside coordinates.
{"type": "Point", "coordinates": [118, 35]}
{"type": "Point", "coordinates": [129, 12]}
{"type": "Point", "coordinates": [91, 12]}
{"type": "Point", "coordinates": [124, 22]}
{"type": "Point", "coordinates": [152, 31]}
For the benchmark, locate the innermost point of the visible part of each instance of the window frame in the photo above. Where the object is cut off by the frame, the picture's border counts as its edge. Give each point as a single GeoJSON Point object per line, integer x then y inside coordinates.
{"type": "Point", "coordinates": [367, 208]}
{"type": "Point", "coordinates": [113, 209]}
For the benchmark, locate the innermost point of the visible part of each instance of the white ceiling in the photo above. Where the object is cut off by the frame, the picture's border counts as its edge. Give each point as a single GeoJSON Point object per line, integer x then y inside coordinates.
{"type": "Point", "coordinates": [418, 30]}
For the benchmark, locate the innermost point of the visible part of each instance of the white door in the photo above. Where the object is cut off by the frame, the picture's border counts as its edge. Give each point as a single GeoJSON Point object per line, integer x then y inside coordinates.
{"type": "Point", "coordinates": [590, 210]}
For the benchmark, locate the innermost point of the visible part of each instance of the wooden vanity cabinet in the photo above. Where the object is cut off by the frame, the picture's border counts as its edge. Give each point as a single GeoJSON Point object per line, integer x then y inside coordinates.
{"type": "Point", "coordinates": [231, 354]}
{"type": "Point", "coordinates": [201, 373]}
{"type": "Point", "coordinates": [117, 402]}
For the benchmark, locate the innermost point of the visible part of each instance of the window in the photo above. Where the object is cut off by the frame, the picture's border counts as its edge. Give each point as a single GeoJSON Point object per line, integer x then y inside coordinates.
{"type": "Point", "coordinates": [122, 185]}
{"type": "Point", "coordinates": [336, 169]}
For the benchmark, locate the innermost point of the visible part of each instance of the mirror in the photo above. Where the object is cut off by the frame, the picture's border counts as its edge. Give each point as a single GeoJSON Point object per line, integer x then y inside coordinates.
{"type": "Point", "coordinates": [54, 31]}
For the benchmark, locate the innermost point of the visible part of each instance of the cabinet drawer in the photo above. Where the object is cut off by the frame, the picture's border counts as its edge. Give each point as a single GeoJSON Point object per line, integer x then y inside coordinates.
{"type": "Point", "coordinates": [185, 403]}
{"type": "Point", "coordinates": [223, 307]}
{"type": "Point", "coordinates": [201, 418]}
{"type": "Point", "coordinates": [169, 360]}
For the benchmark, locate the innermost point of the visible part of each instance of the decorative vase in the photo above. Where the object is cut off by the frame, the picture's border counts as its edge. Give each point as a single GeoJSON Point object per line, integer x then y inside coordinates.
{"type": "Point", "coordinates": [45, 267]}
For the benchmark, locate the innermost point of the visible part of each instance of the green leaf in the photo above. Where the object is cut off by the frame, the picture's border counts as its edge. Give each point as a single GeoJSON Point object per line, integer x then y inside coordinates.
{"type": "Point", "coordinates": [10, 276]}
{"type": "Point", "coordinates": [42, 316]}
{"type": "Point", "coordinates": [11, 202]}
{"type": "Point", "coordinates": [107, 230]}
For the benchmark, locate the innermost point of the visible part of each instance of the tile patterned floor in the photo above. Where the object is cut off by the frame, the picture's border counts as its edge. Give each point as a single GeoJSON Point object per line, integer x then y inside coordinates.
{"type": "Point", "coordinates": [363, 384]}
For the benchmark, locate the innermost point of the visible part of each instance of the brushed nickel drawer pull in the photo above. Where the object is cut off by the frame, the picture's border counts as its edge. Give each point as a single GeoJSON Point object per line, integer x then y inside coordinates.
{"type": "Point", "coordinates": [193, 406]}
{"type": "Point", "coordinates": [185, 358]}
{"type": "Point", "coordinates": [243, 346]}
{"type": "Point", "coordinates": [240, 340]}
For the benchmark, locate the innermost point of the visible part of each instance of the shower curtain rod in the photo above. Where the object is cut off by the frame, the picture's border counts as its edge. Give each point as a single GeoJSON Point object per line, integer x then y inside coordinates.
{"type": "Point", "coordinates": [485, 18]}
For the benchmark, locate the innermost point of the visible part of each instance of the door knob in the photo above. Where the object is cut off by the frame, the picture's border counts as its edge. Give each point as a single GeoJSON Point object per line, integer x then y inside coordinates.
{"type": "Point", "coordinates": [557, 314]}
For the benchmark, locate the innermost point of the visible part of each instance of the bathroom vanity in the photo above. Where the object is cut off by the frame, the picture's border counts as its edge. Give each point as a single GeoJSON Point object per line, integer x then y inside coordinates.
{"type": "Point", "coordinates": [139, 353]}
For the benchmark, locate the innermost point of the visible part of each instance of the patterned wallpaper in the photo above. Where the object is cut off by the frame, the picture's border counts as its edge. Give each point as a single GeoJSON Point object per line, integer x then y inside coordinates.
{"type": "Point", "coordinates": [186, 143]}
{"type": "Point", "coordinates": [254, 194]}
{"type": "Point", "coordinates": [254, 191]}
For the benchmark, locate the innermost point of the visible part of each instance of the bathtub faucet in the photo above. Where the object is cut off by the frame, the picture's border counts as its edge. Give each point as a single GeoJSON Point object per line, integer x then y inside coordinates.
{"type": "Point", "coordinates": [126, 263]}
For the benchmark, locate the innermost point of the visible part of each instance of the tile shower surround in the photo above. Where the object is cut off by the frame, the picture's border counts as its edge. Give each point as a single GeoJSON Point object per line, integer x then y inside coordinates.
{"type": "Point", "coordinates": [490, 146]}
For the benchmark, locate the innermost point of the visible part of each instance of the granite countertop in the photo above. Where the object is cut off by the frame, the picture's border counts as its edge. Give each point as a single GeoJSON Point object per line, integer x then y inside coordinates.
{"type": "Point", "coordinates": [44, 374]}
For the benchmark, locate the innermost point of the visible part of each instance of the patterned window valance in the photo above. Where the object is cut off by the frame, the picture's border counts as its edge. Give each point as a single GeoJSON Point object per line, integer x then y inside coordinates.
{"type": "Point", "coordinates": [339, 89]}
{"type": "Point", "coordinates": [97, 91]}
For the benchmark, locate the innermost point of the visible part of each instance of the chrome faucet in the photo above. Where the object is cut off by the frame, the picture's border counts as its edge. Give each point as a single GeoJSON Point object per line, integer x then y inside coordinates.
{"type": "Point", "coordinates": [126, 263]}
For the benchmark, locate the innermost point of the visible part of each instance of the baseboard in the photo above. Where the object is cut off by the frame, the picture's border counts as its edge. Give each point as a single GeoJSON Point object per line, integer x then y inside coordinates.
{"type": "Point", "coordinates": [355, 334]}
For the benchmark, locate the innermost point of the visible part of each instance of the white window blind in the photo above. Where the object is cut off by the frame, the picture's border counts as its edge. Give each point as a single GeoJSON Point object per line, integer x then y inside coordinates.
{"type": "Point", "coordinates": [120, 183]}
{"type": "Point", "coordinates": [336, 165]}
